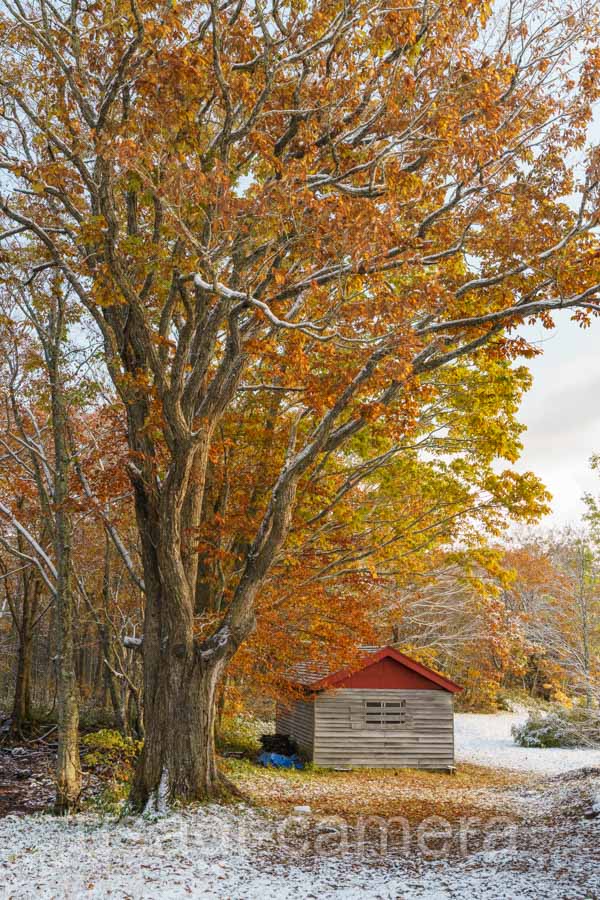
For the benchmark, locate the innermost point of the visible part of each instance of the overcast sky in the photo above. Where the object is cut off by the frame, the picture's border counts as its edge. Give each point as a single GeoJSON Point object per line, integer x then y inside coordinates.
{"type": "Point", "coordinates": [562, 414]}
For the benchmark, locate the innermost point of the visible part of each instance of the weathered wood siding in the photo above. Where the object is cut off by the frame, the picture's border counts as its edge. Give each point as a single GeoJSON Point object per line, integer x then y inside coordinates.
{"type": "Point", "coordinates": [298, 721]}
{"type": "Point", "coordinates": [342, 737]}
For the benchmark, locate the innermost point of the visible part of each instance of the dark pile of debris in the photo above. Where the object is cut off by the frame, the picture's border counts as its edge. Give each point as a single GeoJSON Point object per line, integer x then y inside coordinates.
{"type": "Point", "coordinates": [278, 743]}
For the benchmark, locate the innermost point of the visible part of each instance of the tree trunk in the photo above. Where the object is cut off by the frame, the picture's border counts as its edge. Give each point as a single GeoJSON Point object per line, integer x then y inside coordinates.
{"type": "Point", "coordinates": [24, 626]}
{"type": "Point", "coordinates": [21, 712]}
{"type": "Point", "coordinates": [220, 707]}
{"type": "Point", "coordinates": [107, 647]}
{"type": "Point", "coordinates": [178, 761]}
{"type": "Point", "coordinates": [134, 715]}
{"type": "Point", "coordinates": [181, 676]}
{"type": "Point", "coordinates": [68, 769]}
{"type": "Point", "coordinates": [112, 688]}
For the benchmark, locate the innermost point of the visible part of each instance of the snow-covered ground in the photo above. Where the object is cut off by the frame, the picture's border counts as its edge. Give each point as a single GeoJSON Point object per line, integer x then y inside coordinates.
{"type": "Point", "coordinates": [233, 853]}
{"type": "Point", "coordinates": [543, 845]}
{"type": "Point", "coordinates": [487, 741]}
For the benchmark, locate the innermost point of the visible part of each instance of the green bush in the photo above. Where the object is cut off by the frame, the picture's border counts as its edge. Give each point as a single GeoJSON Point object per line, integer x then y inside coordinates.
{"type": "Point", "coordinates": [111, 754]}
{"type": "Point", "coordinates": [241, 735]}
{"type": "Point", "coordinates": [560, 727]}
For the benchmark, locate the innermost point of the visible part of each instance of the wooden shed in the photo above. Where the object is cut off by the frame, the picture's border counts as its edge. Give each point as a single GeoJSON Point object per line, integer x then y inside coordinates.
{"type": "Point", "coordinates": [388, 712]}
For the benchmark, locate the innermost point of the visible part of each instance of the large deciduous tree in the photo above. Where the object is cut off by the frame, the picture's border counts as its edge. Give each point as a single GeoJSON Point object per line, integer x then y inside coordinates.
{"type": "Point", "coordinates": [316, 204]}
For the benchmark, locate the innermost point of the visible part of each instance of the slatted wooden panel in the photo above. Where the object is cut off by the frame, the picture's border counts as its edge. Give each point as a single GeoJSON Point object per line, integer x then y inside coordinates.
{"type": "Point", "coordinates": [298, 721]}
{"type": "Point", "coordinates": [342, 737]}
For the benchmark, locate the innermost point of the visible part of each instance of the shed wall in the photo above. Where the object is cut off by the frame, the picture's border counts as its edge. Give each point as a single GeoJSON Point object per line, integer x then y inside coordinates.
{"type": "Point", "coordinates": [342, 737]}
{"type": "Point", "coordinates": [298, 721]}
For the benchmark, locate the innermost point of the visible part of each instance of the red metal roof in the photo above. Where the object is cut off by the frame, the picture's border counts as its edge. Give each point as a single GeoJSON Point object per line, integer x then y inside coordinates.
{"type": "Point", "coordinates": [319, 682]}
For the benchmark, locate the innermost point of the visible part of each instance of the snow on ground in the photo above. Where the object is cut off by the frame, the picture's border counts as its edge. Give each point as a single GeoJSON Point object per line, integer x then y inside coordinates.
{"type": "Point", "coordinates": [546, 843]}
{"type": "Point", "coordinates": [487, 741]}
{"type": "Point", "coordinates": [236, 853]}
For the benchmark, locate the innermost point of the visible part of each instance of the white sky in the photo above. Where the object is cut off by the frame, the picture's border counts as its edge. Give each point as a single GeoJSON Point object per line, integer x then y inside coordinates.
{"type": "Point", "coordinates": [562, 414]}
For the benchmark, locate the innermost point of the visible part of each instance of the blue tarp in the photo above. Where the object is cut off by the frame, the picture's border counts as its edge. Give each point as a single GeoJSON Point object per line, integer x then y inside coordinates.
{"type": "Point", "coordinates": [279, 761]}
